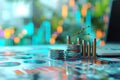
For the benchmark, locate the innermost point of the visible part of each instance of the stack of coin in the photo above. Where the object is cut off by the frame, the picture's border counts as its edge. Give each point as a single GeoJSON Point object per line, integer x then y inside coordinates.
{"type": "Point", "coordinates": [83, 48]}
{"type": "Point", "coordinates": [88, 50]}
{"type": "Point", "coordinates": [94, 48]}
{"type": "Point", "coordinates": [73, 52]}
{"type": "Point", "coordinates": [73, 48]}
{"type": "Point", "coordinates": [57, 54]}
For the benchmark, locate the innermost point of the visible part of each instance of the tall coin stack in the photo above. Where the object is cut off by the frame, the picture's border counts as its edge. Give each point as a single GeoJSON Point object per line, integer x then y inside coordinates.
{"type": "Point", "coordinates": [73, 51]}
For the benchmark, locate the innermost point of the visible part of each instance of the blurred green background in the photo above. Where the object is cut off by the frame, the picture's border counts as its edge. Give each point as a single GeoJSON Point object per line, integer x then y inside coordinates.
{"type": "Point", "coordinates": [34, 22]}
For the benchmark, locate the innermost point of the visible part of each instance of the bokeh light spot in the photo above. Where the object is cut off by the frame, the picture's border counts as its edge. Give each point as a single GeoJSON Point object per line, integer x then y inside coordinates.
{"type": "Point", "coordinates": [102, 43]}
{"type": "Point", "coordinates": [7, 33]}
{"type": "Point", "coordinates": [72, 3]}
{"type": "Point", "coordinates": [24, 31]}
{"type": "Point", "coordinates": [16, 39]}
{"type": "Point", "coordinates": [59, 29]}
{"type": "Point", "coordinates": [12, 30]}
{"type": "Point", "coordinates": [52, 41]}
{"type": "Point", "coordinates": [64, 11]}
{"type": "Point", "coordinates": [84, 10]}
{"type": "Point", "coordinates": [99, 34]}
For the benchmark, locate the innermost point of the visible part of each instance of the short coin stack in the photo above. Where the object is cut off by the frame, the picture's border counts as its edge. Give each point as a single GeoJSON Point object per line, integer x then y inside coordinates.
{"type": "Point", "coordinates": [57, 54]}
